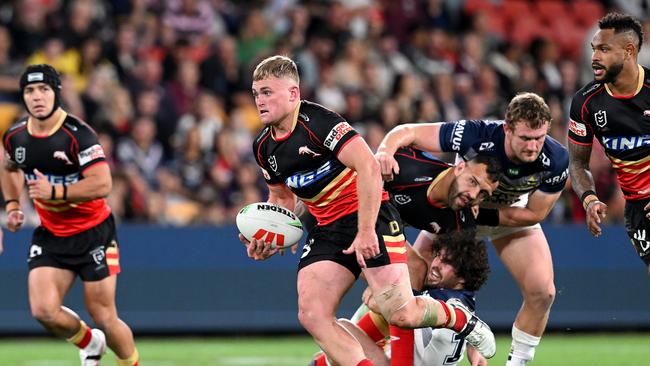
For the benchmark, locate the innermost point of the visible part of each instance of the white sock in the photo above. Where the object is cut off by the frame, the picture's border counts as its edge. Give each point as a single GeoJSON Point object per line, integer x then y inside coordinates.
{"type": "Point", "coordinates": [523, 348]}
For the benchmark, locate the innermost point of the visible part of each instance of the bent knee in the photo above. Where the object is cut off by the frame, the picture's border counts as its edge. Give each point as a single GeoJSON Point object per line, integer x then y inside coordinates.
{"type": "Point", "coordinates": [541, 297]}
{"type": "Point", "coordinates": [45, 314]}
{"type": "Point", "coordinates": [103, 319]}
{"type": "Point", "coordinates": [313, 318]}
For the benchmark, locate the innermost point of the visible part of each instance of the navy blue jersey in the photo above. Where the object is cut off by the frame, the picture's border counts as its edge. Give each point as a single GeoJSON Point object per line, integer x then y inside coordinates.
{"type": "Point", "coordinates": [409, 192]}
{"type": "Point", "coordinates": [621, 124]}
{"type": "Point", "coordinates": [548, 173]}
{"type": "Point", "coordinates": [306, 161]}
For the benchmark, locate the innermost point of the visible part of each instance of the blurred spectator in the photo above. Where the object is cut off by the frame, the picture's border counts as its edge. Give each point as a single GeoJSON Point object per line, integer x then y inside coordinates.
{"type": "Point", "coordinates": [140, 151]}
{"type": "Point", "coordinates": [168, 82]}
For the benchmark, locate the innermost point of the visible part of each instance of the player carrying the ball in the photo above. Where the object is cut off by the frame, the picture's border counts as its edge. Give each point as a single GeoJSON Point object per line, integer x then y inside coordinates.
{"type": "Point", "coordinates": [308, 151]}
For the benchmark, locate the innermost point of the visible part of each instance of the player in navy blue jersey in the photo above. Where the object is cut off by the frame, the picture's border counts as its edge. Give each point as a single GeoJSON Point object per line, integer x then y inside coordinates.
{"type": "Point", "coordinates": [58, 157]}
{"type": "Point", "coordinates": [615, 109]}
{"type": "Point", "coordinates": [535, 169]}
{"type": "Point", "coordinates": [311, 153]}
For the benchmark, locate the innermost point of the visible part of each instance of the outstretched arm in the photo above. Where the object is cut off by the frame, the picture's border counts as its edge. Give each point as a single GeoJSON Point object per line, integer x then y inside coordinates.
{"type": "Point", "coordinates": [424, 136]}
{"type": "Point", "coordinates": [583, 184]}
{"type": "Point", "coordinates": [357, 156]}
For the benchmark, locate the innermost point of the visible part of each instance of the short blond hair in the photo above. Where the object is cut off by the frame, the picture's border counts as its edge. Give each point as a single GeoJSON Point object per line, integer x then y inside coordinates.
{"type": "Point", "coordinates": [276, 66]}
{"type": "Point", "coordinates": [528, 107]}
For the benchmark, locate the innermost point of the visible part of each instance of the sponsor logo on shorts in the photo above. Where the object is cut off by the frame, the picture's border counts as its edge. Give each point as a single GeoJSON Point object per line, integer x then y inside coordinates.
{"type": "Point", "coordinates": [578, 128]}
{"type": "Point", "coordinates": [92, 153]}
{"type": "Point", "coordinates": [402, 199]}
{"type": "Point", "coordinates": [35, 251]}
{"type": "Point", "coordinates": [98, 254]}
{"type": "Point", "coordinates": [336, 134]}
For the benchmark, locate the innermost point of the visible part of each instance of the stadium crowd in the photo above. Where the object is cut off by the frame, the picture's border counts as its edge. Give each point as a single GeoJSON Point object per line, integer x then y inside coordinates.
{"type": "Point", "coordinates": [166, 83]}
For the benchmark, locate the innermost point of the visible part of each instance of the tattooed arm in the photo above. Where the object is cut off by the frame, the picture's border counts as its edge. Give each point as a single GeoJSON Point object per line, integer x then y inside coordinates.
{"type": "Point", "coordinates": [582, 181]}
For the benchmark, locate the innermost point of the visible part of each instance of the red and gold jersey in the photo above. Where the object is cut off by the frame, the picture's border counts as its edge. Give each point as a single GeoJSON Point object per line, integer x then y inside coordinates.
{"type": "Point", "coordinates": [621, 123]}
{"type": "Point", "coordinates": [62, 156]}
{"type": "Point", "coordinates": [306, 161]}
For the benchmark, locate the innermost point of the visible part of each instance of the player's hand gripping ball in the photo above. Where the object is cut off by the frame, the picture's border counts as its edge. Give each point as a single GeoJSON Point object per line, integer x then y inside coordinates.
{"type": "Point", "coordinates": [270, 223]}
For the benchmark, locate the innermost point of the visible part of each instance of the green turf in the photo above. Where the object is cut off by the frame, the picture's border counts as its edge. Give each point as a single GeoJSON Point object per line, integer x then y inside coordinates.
{"type": "Point", "coordinates": [557, 349]}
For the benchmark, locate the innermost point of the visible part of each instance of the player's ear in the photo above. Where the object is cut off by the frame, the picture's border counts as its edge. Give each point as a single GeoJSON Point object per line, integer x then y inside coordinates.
{"type": "Point", "coordinates": [459, 168]}
{"type": "Point", "coordinates": [294, 93]}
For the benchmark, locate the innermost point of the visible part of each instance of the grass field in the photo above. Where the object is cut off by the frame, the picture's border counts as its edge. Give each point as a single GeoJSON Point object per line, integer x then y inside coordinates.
{"type": "Point", "coordinates": [557, 349]}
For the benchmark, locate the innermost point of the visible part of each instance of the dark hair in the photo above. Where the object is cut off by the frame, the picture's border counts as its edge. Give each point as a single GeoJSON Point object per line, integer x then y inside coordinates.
{"type": "Point", "coordinates": [466, 254]}
{"type": "Point", "coordinates": [494, 168]}
{"type": "Point", "coordinates": [622, 23]}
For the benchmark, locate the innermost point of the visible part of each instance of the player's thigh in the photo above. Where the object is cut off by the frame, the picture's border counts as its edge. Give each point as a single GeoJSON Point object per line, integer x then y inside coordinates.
{"type": "Point", "coordinates": [527, 256]}
{"type": "Point", "coordinates": [99, 297]}
{"type": "Point", "coordinates": [48, 286]}
{"type": "Point", "coordinates": [321, 285]}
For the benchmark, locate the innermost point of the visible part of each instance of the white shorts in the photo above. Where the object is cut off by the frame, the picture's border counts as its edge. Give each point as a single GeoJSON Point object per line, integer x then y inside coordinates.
{"type": "Point", "coordinates": [438, 346]}
{"type": "Point", "coordinates": [497, 232]}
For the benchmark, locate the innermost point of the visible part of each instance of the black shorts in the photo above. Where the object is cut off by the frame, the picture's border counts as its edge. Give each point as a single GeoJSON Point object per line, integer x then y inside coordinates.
{"type": "Point", "coordinates": [637, 226]}
{"type": "Point", "coordinates": [326, 243]}
{"type": "Point", "coordinates": [92, 254]}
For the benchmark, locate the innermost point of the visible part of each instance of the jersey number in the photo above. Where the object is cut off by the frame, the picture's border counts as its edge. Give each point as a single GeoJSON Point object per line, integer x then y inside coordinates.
{"type": "Point", "coordinates": [454, 357]}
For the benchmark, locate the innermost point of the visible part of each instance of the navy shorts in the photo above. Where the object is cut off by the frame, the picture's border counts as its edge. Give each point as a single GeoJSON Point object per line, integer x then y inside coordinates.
{"type": "Point", "coordinates": [92, 254]}
{"type": "Point", "coordinates": [328, 242]}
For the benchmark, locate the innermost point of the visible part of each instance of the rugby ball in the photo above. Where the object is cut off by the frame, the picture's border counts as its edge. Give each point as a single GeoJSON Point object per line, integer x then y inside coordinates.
{"type": "Point", "coordinates": [271, 223]}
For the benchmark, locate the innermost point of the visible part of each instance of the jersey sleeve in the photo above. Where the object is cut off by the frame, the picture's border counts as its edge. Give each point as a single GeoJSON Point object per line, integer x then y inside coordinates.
{"type": "Point", "coordinates": [556, 181]}
{"type": "Point", "coordinates": [461, 135]}
{"type": "Point", "coordinates": [90, 151]}
{"type": "Point", "coordinates": [332, 130]}
{"type": "Point", "coordinates": [580, 131]}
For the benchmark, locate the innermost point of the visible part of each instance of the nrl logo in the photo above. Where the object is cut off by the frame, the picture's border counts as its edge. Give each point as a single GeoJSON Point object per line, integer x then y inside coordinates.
{"type": "Point", "coordinates": [402, 199]}
{"type": "Point", "coordinates": [20, 155]}
{"type": "Point", "coordinates": [98, 254]}
{"type": "Point", "coordinates": [601, 118]}
{"type": "Point", "coordinates": [273, 163]}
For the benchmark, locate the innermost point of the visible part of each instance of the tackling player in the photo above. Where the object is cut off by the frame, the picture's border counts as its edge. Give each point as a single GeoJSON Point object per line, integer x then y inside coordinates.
{"type": "Point", "coordinates": [535, 169]}
{"type": "Point", "coordinates": [451, 269]}
{"type": "Point", "coordinates": [312, 153]}
{"type": "Point", "coordinates": [615, 109]}
{"type": "Point", "coordinates": [60, 158]}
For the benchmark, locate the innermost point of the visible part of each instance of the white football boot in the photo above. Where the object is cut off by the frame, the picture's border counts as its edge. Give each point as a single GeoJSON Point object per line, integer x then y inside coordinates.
{"type": "Point", "coordinates": [94, 351]}
{"type": "Point", "coordinates": [476, 332]}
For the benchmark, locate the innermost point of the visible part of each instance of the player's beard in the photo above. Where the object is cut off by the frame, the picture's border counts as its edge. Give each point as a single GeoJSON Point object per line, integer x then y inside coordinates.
{"type": "Point", "coordinates": [611, 73]}
{"type": "Point", "coordinates": [453, 195]}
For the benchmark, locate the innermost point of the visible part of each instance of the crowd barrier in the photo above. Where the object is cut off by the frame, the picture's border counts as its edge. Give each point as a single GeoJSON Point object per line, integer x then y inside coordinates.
{"type": "Point", "coordinates": [199, 280]}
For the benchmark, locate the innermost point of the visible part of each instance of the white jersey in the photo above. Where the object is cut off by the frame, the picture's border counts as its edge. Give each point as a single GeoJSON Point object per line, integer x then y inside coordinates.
{"type": "Point", "coordinates": [435, 346]}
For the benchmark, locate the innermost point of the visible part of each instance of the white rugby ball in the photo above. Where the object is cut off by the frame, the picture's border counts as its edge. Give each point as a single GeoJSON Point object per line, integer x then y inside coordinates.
{"type": "Point", "coordinates": [271, 223]}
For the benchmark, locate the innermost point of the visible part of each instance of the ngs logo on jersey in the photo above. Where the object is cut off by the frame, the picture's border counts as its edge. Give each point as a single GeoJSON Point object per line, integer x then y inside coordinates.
{"type": "Point", "coordinates": [336, 134]}
{"type": "Point", "coordinates": [303, 179]}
